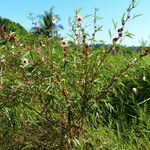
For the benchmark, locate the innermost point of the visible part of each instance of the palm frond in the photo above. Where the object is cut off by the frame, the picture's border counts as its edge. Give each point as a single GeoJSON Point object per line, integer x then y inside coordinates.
{"type": "Point", "coordinates": [47, 24]}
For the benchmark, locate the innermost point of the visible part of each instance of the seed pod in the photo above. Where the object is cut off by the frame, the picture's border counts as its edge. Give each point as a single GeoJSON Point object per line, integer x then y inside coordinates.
{"type": "Point", "coordinates": [120, 34]}
{"type": "Point", "coordinates": [115, 39]}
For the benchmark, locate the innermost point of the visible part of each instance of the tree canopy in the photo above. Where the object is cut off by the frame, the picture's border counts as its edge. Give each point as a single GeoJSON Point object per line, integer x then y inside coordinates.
{"type": "Point", "coordinates": [48, 24]}
{"type": "Point", "coordinates": [10, 26]}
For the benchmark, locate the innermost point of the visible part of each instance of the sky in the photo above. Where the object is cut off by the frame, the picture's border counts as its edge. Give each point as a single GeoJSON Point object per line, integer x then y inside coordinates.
{"type": "Point", "coordinates": [18, 10]}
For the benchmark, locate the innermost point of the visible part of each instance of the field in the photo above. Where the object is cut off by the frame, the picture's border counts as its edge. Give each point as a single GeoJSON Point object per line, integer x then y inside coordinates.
{"type": "Point", "coordinates": [69, 94]}
{"type": "Point", "coordinates": [53, 101]}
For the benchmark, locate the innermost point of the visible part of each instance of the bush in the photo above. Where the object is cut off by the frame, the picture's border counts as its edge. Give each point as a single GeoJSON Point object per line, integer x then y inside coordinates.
{"type": "Point", "coordinates": [57, 94]}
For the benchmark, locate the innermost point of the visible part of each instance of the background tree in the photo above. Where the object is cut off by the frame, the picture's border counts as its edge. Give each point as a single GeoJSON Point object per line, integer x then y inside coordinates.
{"type": "Point", "coordinates": [48, 24]}
{"type": "Point", "coordinates": [10, 26]}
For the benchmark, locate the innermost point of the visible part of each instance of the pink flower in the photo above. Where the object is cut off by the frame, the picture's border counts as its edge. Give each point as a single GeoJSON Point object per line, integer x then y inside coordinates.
{"type": "Point", "coordinates": [1, 31]}
{"type": "Point", "coordinates": [13, 38]}
{"type": "Point", "coordinates": [64, 43]}
{"type": "Point", "coordinates": [6, 37]}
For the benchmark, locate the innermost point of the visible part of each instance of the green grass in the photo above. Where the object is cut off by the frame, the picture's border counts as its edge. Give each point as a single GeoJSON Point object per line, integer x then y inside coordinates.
{"type": "Point", "coordinates": [65, 103]}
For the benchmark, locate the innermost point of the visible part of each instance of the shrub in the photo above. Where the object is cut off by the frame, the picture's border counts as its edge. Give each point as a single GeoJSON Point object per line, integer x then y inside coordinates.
{"type": "Point", "coordinates": [59, 94]}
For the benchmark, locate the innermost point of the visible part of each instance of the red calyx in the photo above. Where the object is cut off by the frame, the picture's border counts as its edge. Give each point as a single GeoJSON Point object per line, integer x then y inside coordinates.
{"type": "Point", "coordinates": [120, 30]}
{"type": "Point", "coordinates": [120, 34]}
{"type": "Point", "coordinates": [87, 46]}
{"type": "Point", "coordinates": [115, 39]}
{"type": "Point", "coordinates": [13, 37]}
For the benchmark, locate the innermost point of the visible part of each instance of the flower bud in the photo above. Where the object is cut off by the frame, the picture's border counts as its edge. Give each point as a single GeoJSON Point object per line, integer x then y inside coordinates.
{"type": "Point", "coordinates": [120, 34]}
{"type": "Point", "coordinates": [115, 39]}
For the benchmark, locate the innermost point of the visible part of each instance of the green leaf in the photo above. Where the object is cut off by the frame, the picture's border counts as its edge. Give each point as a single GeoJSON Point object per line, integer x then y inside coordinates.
{"type": "Point", "coordinates": [136, 15]}
{"type": "Point", "coordinates": [110, 34]}
{"type": "Point", "coordinates": [143, 42]}
{"type": "Point", "coordinates": [100, 28]}
{"type": "Point", "coordinates": [123, 17]}
{"type": "Point", "coordinates": [87, 16]}
{"type": "Point", "coordinates": [128, 34]}
{"type": "Point", "coordinates": [78, 10]}
{"type": "Point", "coordinates": [114, 24]}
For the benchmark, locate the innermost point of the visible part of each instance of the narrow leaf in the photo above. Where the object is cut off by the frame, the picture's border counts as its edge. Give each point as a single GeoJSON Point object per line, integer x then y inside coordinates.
{"type": "Point", "coordinates": [114, 24]}
{"type": "Point", "coordinates": [110, 34]}
{"type": "Point", "coordinates": [136, 15]}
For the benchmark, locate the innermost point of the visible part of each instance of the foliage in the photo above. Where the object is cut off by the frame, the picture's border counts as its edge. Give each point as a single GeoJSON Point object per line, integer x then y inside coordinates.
{"type": "Point", "coordinates": [57, 94]}
{"type": "Point", "coordinates": [11, 26]}
{"type": "Point", "coordinates": [48, 24]}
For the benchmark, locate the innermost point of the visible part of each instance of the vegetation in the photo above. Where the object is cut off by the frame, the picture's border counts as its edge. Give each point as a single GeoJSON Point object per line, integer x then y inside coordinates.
{"type": "Point", "coordinates": [48, 24]}
{"type": "Point", "coordinates": [11, 26]}
{"type": "Point", "coordinates": [59, 94]}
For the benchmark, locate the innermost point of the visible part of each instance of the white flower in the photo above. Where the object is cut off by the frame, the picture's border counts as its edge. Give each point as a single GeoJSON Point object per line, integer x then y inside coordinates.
{"type": "Point", "coordinates": [64, 43]}
{"type": "Point", "coordinates": [25, 61]}
{"type": "Point", "coordinates": [54, 20]}
{"type": "Point", "coordinates": [13, 46]}
{"type": "Point", "coordinates": [43, 45]}
{"type": "Point", "coordinates": [43, 58]}
{"type": "Point", "coordinates": [2, 58]}
{"type": "Point", "coordinates": [21, 45]}
{"type": "Point", "coordinates": [134, 90]}
{"type": "Point", "coordinates": [144, 78]}
{"type": "Point", "coordinates": [133, 61]}
{"type": "Point", "coordinates": [79, 18]}
{"type": "Point", "coordinates": [126, 76]}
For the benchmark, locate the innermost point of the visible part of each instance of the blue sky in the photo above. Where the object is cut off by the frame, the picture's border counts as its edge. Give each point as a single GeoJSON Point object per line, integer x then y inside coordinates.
{"type": "Point", "coordinates": [18, 10]}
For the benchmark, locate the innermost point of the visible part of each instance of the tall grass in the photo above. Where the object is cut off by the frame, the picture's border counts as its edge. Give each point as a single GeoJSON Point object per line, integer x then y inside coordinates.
{"type": "Point", "coordinates": [58, 94]}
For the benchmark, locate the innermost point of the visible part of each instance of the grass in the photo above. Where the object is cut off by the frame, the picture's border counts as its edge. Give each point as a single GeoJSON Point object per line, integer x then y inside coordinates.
{"type": "Point", "coordinates": [56, 94]}
{"type": "Point", "coordinates": [56, 103]}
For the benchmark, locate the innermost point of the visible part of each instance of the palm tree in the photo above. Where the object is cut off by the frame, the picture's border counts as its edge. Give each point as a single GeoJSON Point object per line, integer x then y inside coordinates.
{"type": "Point", "coordinates": [48, 23]}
